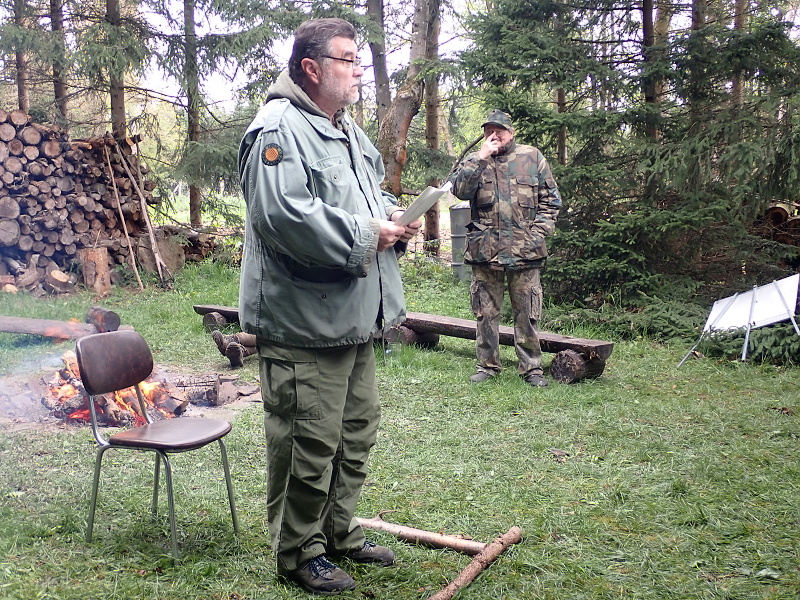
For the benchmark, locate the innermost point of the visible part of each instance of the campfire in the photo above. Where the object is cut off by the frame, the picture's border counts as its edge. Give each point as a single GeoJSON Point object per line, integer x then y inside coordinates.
{"type": "Point", "coordinates": [68, 400]}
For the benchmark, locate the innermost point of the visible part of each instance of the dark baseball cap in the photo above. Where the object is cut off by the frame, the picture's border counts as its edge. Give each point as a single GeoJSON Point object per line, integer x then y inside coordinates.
{"type": "Point", "coordinates": [499, 118]}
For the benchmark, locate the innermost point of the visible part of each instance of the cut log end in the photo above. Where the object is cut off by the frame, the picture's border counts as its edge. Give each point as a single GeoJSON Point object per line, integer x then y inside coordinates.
{"type": "Point", "coordinates": [569, 366]}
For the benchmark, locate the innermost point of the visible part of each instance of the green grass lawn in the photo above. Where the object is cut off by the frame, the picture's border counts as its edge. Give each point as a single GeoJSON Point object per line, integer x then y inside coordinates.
{"type": "Point", "coordinates": [651, 482]}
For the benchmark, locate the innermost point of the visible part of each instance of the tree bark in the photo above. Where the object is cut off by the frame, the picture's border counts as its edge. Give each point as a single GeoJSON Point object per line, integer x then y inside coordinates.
{"type": "Point", "coordinates": [739, 23]}
{"type": "Point", "coordinates": [377, 46]}
{"type": "Point", "coordinates": [116, 80]}
{"type": "Point", "coordinates": [21, 59]}
{"type": "Point", "coordinates": [192, 89]}
{"type": "Point", "coordinates": [432, 106]}
{"type": "Point", "coordinates": [96, 276]}
{"type": "Point", "coordinates": [59, 82]}
{"type": "Point", "coordinates": [393, 131]}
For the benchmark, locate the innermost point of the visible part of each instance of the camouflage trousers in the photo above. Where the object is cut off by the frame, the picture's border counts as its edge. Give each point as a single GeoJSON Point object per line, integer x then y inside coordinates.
{"type": "Point", "coordinates": [486, 297]}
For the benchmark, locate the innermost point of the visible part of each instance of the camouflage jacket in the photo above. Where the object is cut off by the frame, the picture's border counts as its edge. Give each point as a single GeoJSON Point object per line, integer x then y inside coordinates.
{"type": "Point", "coordinates": [515, 203]}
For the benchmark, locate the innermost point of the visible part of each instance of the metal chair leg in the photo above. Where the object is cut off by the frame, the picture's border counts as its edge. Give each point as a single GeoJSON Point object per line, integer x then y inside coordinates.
{"type": "Point", "coordinates": [156, 483]}
{"type": "Point", "coordinates": [229, 484]}
{"type": "Point", "coordinates": [171, 502]}
{"type": "Point", "coordinates": [95, 485]}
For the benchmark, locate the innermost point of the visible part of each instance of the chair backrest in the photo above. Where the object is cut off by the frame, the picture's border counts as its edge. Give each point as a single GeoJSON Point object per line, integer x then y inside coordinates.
{"type": "Point", "coordinates": [113, 361]}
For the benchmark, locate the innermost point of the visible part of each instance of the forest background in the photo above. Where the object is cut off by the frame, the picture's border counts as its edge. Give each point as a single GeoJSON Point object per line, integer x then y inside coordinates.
{"type": "Point", "coordinates": [671, 127]}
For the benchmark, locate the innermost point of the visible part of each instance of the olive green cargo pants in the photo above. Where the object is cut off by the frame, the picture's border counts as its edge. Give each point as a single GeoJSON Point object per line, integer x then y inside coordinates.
{"type": "Point", "coordinates": [486, 297]}
{"type": "Point", "coordinates": [321, 414]}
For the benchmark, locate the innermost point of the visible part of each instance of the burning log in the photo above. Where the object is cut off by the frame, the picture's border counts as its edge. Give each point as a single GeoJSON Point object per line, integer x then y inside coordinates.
{"type": "Point", "coordinates": [479, 564]}
{"type": "Point", "coordinates": [64, 330]}
{"type": "Point", "coordinates": [67, 399]}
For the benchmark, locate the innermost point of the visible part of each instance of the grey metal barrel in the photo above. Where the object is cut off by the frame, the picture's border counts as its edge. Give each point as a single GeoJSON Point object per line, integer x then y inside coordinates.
{"type": "Point", "coordinates": [459, 218]}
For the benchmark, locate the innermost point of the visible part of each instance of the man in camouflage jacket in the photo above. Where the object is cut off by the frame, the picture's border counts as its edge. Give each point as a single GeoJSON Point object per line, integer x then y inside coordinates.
{"type": "Point", "coordinates": [514, 202]}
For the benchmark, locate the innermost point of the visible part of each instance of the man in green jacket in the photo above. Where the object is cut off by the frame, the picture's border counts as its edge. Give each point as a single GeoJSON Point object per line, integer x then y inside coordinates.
{"type": "Point", "coordinates": [514, 203]}
{"type": "Point", "coordinates": [319, 278]}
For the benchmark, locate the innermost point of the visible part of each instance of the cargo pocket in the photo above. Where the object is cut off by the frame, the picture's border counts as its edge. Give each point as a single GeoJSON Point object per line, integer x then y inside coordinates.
{"type": "Point", "coordinates": [480, 244]}
{"type": "Point", "coordinates": [291, 388]}
{"type": "Point", "coordinates": [536, 303]}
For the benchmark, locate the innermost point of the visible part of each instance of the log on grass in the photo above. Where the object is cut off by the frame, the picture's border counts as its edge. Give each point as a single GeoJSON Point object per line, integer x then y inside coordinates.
{"type": "Point", "coordinates": [213, 320]}
{"type": "Point", "coordinates": [420, 536]}
{"type": "Point", "coordinates": [569, 366]}
{"type": "Point", "coordinates": [231, 313]}
{"type": "Point", "coordinates": [63, 330]}
{"type": "Point", "coordinates": [400, 334]}
{"type": "Point", "coordinates": [479, 563]}
{"type": "Point", "coordinates": [102, 319]}
{"type": "Point", "coordinates": [466, 328]}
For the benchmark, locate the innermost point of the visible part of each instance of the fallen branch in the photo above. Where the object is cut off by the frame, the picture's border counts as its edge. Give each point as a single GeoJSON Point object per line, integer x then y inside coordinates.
{"type": "Point", "coordinates": [420, 536]}
{"type": "Point", "coordinates": [479, 563]}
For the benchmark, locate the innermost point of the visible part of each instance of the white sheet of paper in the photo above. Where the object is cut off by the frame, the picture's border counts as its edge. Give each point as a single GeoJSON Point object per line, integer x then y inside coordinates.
{"type": "Point", "coordinates": [424, 201]}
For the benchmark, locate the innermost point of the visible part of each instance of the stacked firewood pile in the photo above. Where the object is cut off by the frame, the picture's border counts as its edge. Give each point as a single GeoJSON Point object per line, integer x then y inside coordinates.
{"type": "Point", "coordinates": [62, 200]}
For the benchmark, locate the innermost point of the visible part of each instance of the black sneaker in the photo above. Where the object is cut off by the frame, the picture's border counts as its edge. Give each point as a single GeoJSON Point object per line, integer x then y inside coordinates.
{"type": "Point", "coordinates": [320, 576]}
{"type": "Point", "coordinates": [370, 552]}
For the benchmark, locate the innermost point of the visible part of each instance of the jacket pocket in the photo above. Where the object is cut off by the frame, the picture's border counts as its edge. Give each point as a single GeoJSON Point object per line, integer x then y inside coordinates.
{"type": "Point", "coordinates": [481, 245]}
{"type": "Point", "coordinates": [534, 246]}
{"type": "Point", "coordinates": [526, 189]}
{"type": "Point", "coordinates": [485, 197]}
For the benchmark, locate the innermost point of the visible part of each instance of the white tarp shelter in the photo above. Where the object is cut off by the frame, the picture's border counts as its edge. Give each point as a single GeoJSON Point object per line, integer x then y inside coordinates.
{"type": "Point", "coordinates": [763, 305]}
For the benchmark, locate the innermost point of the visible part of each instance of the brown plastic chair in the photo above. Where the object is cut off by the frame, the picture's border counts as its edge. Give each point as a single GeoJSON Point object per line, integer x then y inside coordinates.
{"type": "Point", "coordinates": [119, 360]}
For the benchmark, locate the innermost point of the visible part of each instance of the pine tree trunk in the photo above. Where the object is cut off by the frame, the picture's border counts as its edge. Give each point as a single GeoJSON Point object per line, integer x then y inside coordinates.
{"type": "Point", "coordinates": [59, 82]}
{"type": "Point", "coordinates": [116, 80]}
{"type": "Point", "coordinates": [377, 45]}
{"type": "Point", "coordinates": [192, 87]}
{"type": "Point", "coordinates": [23, 75]}
{"type": "Point", "coordinates": [431, 234]}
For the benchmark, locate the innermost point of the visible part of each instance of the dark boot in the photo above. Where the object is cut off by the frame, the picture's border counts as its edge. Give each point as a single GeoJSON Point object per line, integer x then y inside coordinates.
{"type": "Point", "coordinates": [321, 576]}
{"type": "Point", "coordinates": [370, 552]}
{"type": "Point", "coordinates": [222, 340]}
{"type": "Point", "coordinates": [235, 353]}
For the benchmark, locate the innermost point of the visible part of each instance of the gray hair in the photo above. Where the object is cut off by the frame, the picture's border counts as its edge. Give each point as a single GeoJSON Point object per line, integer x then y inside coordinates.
{"type": "Point", "coordinates": [312, 40]}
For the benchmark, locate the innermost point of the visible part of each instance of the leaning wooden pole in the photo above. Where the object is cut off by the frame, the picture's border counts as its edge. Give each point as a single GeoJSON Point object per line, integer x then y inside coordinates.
{"type": "Point", "coordinates": [122, 217]}
{"type": "Point", "coordinates": [479, 563]}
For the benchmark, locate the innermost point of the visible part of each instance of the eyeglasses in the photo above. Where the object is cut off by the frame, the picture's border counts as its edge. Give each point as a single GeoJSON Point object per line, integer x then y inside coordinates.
{"type": "Point", "coordinates": [354, 62]}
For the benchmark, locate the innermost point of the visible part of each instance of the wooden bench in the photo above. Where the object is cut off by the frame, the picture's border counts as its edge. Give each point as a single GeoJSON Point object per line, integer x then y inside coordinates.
{"type": "Point", "coordinates": [575, 358]}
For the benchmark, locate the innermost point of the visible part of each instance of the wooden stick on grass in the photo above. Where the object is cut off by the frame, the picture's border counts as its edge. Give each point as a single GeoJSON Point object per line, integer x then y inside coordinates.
{"type": "Point", "coordinates": [479, 563]}
{"type": "Point", "coordinates": [420, 536]}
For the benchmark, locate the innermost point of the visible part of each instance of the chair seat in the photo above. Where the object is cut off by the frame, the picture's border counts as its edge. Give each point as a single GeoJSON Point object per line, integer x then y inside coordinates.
{"type": "Point", "coordinates": [172, 435]}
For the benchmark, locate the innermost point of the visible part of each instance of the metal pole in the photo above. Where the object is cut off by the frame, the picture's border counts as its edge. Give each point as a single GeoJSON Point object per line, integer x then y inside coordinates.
{"type": "Point", "coordinates": [789, 311]}
{"type": "Point", "coordinates": [710, 327]}
{"type": "Point", "coordinates": [749, 323]}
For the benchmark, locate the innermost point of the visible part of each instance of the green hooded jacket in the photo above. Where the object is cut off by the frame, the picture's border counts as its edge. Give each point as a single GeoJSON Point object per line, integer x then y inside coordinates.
{"type": "Point", "coordinates": [311, 273]}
